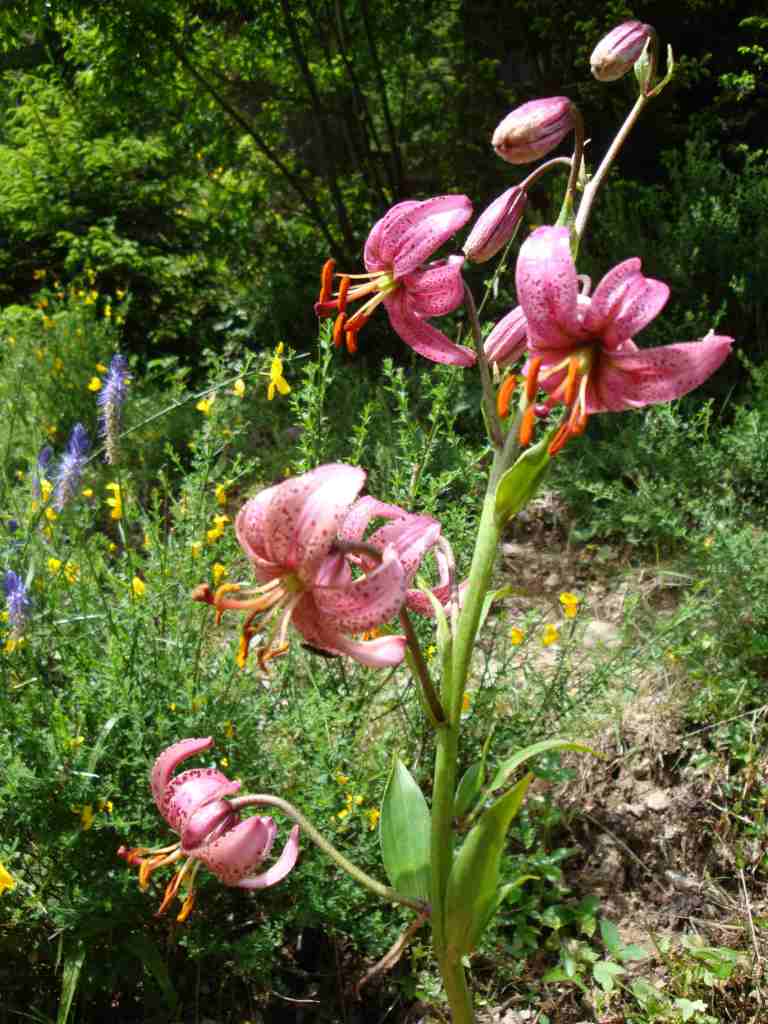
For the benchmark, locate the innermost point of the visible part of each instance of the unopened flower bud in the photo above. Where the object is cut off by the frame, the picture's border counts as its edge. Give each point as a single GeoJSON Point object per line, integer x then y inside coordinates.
{"type": "Point", "coordinates": [532, 130]}
{"type": "Point", "coordinates": [506, 342]}
{"type": "Point", "coordinates": [496, 225]}
{"type": "Point", "coordinates": [617, 52]}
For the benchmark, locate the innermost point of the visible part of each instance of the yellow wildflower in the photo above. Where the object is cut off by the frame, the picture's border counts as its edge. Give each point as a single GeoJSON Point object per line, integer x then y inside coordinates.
{"type": "Point", "coordinates": [343, 813]}
{"type": "Point", "coordinates": [172, 706]}
{"type": "Point", "coordinates": [116, 501]}
{"type": "Point", "coordinates": [238, 388]}
{"type": "Point", "coordinates": [138, 586]}
{"type": "Point", "coordinates": [76, 741]}
{"type": "Point", "coordinates": [7, 881]}
{"type": "Point", "coordinates": [516, 636]}
{"type": "Point", "coordinates": [342, 779]}
{"type": "Point", "coordinates": [38, 275]}
{"type": "Point", "coordinates": [277, 381]}
{"type": "Point", "coordinates": [551, 635]}
{"type": "Point", "coordinates": [204, 406]}
{"type": "Point", "coordinates": [196, 547]}
{"type": "Point", "coordinates": [54, 564]}
{"type": "Point", "coordinates": [570, 603]}
{"type": "Point", "coordinates": [466, 702]}
{"type": "Point", "coordinates": [221, 494]}
{"type": "Point", "coordinates": [224, 762]}
{"type": "Point", "coordinates": [51, 515]}
{"type": "Point", "coordinates": [94, 384]}
{"type": "Point", "coordinates": [229, 730]}
{"type": "Point", "coordinates": [106, 806]}
{"type": "Point", "coordinates": [219, 572]}
{"type": "Point", "coordinates": [87, 492]}
{"type": "Point", "coordinates": [147, 542]}
{"type": "Point", "coordinates": [102, 368]}
{"type": "Point", "coordinates": [46, 490]}
{"type": "Point", "coordinates": [430, 652]}
{"type": "Point", "coordinates": [373, 817]}
{"type": "Point", "coordinates": [120, 293]}
{"type": "Point", "coordinates": [20, 474]}
{"type": "Point", "coordinates": [71, 572]}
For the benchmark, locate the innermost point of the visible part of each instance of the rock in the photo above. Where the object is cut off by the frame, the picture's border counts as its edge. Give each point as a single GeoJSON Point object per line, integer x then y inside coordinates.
{"type": "Point", "coordinates": [600, 633]}
{"type": "Point", "coordinates": [657, 800]}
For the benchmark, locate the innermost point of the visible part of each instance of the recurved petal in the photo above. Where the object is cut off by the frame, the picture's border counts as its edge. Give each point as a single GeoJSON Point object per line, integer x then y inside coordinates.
{"type": "Point", "coordinates": [236, 854]}
{"type": "Point", "coordinates": [632, 378]}
{"type": "Point", "coordinates": [167, 763]}
{"type": "Point", "coordinates": [436, 289]}
{"type": "Point", "coordinates": [428, 227]}
{"type": "Point", "coordinates": [304, 514]}
{"type": "Point", "coordinates": [623, 304]}
{"type": "Point", "coordinates": [282, 866]}
{"type": "Point", "coordinates": [547, 289]}
{"type": "Point", "coordinates": [381, 244]}
{"type": "Point", "coordinates": [362, 513]}
{"type": "Point", "coordinates": [412, 536]}
{"type": "Point", "coordinates": [210, 818]}
{"type": "Point", "coordinates": [422, 336]}
{"type": "Point", "coordinates": [383, 652]}
{"type": "Point", "coordinates": [185, 793]}
{"type": "Point", "coordinates": [250, 533]}
{"type": "Point", "coordinates": [363, 603]}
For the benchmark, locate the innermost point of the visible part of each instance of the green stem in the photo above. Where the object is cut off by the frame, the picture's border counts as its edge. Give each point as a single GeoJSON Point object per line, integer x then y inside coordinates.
{"type": "Point", "coordinates": [384, 891]}
{"type": "Point", "coordinates": [459, 997]}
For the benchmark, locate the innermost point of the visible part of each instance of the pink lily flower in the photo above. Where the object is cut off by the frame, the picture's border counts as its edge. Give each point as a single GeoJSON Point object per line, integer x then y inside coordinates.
{"type": "Point", "coordinates": [290, 533]}
{"type": "Point", "coordinates": [413, 537]}
{"type": "Point", "coordinates": [580, 348]}
{"type": "Point", "coordinates": [210, 832]}
{"type": "Point", "coordinates": [411, 290]}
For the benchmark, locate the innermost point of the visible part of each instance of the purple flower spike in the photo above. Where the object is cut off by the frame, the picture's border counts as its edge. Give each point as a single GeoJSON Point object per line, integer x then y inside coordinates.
{"type": "Point", "coordinates": [71, 466]}
{"type": "Point", "coordinates": [43, 459]}
{"type": "Point", "coordinates": [110, 400]}
{"type": "Point", "coordinates": [17, 600]}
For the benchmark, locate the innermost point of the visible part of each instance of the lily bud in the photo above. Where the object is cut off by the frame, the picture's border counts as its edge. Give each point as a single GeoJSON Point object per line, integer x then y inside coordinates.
{"type": "Point", "coordinates": [496, 225]}
{"type": "Point", "coordinates": [617, 52]}
{"type": "Point", "coordinates": [506, 342]}
{"type": "Point", "coordinates": [530, 131]}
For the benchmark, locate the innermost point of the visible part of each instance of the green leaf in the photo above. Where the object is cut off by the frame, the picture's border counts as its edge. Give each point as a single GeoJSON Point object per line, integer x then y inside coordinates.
{"type": "Point", "coordinates": [404, 834]}
{"type": "Point", "coordinates": [147, 951]}
{"type": "Point", "coordinates": [73, 965]}
{"type": "Point", "coordinates": [605, 973]}
{"type": "Point", "coordinates": [688, 1007]}
{"type": "Point", "coordinates": [520, 482]}
{"type": "Point", "coordinates": [471, 895]}
{"type": "Point", "coordinates": [507, 768]}
{"type": "Point", "coordinates": [468, 790]}
{"type": "Point", "coordinates": [611, 937]}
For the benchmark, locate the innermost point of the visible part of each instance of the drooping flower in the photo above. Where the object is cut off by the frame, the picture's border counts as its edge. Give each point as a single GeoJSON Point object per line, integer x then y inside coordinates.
{"type": "Point", "coordinates": [17, 600]}
{"type": "Point", "coordinates": [617, 51]}
{"type": "Point", "coordinates": [496, 225]}
{"type": "Point", "coordinates": [411, 290]}
{"type": "Point", "coordinates": [413, 537]}
{"type": "Point", "coordinates": [580, 349]}
{"type": "Point", "coordinates": [110, 401]}
{"type": "Point", "coordinates": [210, 832]}
{"type": "Point", "coordinates": [531, 130]}
{"type": "Point", "coordinates": [71, 466]}
{"type": "Point", "coordinates": [290, 533]}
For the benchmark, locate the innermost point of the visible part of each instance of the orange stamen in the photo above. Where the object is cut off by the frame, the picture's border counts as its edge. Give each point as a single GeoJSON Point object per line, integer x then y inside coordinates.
{"type": "Point", "coordinates": [560, 439]}
{"type": "Point", "coordinates": [187, 907]}
{"type": "Point", "coordinates": [338, 329]}
{"type": "Point", "coordinates": [326, 280]}
{"type": "Point", "coordinates": [569, 394]}
{"type": "Point", "coordinates": [351, 339]}
{"type": "Point", "coordinates": [245, 643]}
{"type": "Point", "coordinates": [506, 391]}
{"type": "Point", "coordinates": [526, 426]}
{"type": "Point", "coordinates": [268, 653]}
{"type": "Point", "coordinates": [343, 289]}
{"type": "Point", "coordinates": [532, 378]}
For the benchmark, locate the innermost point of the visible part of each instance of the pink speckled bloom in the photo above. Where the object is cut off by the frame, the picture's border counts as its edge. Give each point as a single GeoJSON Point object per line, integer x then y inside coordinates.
{"type": "Point", "coordinates": [411, 290]}
{"type": "Point", "coordinates": [294, 537]}
{"type": "Point", "coordinates": [210, 832]}
{"type": "Point", "coordinates": [617, 52]}
{"type": "Point", "coordinates": [581, 348]}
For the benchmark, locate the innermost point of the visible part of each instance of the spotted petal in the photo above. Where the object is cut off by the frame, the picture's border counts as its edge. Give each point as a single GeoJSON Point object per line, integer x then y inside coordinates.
{"type": "Point", "coordinates": [632, 378]}
{"type": "Point", "coordinates": [380, 246]}
{"type": "Point", "coordinates": [436, 289]}
{"type": "Point", "coordinates": [167, 763]}
{"type": "Point", "coordinates": [429, 227]}
{"type": "Point", "coordinates": [547, 289]}
{"type": "Point", "coordinates": [363, 603]}
{"type": "Point", "coordinates": [233, 856]}
{"type": "Point", "coordinates": [423, 337]}
{"type": "Point", "coordinates": [383, 652]}
{"type": "Point", "coordinates": [282, 866]}
{"type": "Point", "coordinates": [623, 304]}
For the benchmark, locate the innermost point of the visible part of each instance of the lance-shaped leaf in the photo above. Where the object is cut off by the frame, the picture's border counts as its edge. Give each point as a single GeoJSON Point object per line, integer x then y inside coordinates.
{"type": "Point", "coordinates": [472, 781]}
{"type": "Point", "coordinates": [520, 482]}
{"type": "Point", "coordinates": [404, 834]}
{"type": "Point", "coordinates": [506, 769]}
{"type": "Point", "coordinates": [472, 892]}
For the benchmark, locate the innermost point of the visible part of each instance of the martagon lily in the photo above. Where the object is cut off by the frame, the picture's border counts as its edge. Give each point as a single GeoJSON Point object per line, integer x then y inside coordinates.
{"type": "Point", "coordinates": [580, 348]}
{"type": "Point", "coordinates": [411, 290]}
{"type": "Point", "coordinates": [195, 806]}
{"type": "Point", "coordinates": [304, 558]}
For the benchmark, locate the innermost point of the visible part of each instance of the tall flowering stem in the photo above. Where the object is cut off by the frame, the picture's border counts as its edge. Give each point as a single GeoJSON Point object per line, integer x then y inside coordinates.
{"type": "Point", "coordinates": [110, 401]}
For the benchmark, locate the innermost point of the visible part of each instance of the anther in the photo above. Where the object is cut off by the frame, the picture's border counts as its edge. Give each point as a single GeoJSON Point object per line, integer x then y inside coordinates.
{"type": "Point", "coordinates": [338, 329]}
{"type": "Point", "coordinates": [532, 378]}
{"type": "Point", "coordinates": [343, 289]}
{"type": "Point", "coordinates": [326, 280]}
{"type": "Point", "coordinates": [526, 426]}
{"type": "Point", "coordinates": [569, 394]}
{"type": "Point", "coordinates": [506, 390]}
